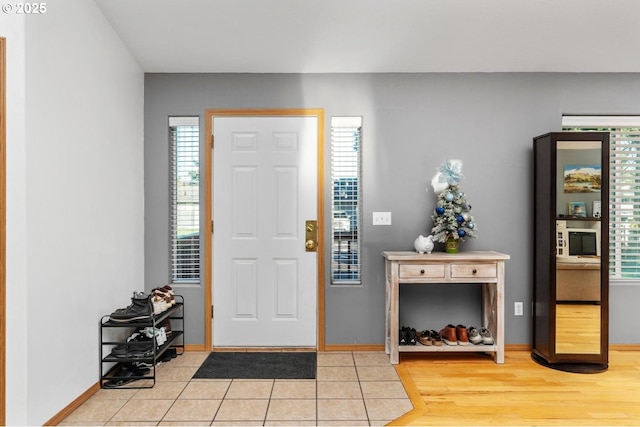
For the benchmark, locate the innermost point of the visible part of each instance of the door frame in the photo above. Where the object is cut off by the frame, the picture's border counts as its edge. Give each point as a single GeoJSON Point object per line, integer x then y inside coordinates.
{"type": "Point", "coordinates": [3, 228]}
{"type": "Point", "coordinates": [210, 114]}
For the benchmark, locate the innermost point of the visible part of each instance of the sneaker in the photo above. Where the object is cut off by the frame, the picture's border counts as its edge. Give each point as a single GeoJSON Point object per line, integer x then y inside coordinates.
{"type": "Point", "coordinates": [167, 289]}
{"type": "Point", "coordinates": [474, 335]}
{"type": "Point", "coordinates": [411, 336]}
{"type": "Point", "coordinates": [403, 335]}
{"type": "Point", "coordinates": [137, 336]}
{"type": "Point", "coordinates": [168, 296]}
{"type": "Point", "coordinates": [159, 303]}
{"type": "Point", "coordinates": [133, 349]}
{"type": "Point", "coordinates": [141, 308]}
{"type": "Point", "coordinates": [487, 338]}
{"type": "Point", "coordinates": [166, 324]}
{"type": "Point", "coordinates": [159, 334]}
{"type": "Point", "coordinates": [143, 366]}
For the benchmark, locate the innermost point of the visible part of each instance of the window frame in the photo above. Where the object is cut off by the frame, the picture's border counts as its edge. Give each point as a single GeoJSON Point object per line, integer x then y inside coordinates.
{"type": "Point", "coordinates": [184, 255]}
{"type": "Point", "coordinates": [346, 180]}
{"type": "Point", "coordinates": [625, 132]}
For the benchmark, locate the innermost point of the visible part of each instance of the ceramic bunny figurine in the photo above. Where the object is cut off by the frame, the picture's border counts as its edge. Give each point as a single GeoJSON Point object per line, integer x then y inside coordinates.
{"type": "Point", "coordinates": [423, 244]}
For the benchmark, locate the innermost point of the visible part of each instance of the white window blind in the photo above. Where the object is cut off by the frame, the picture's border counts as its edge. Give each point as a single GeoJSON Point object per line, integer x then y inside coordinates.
{"type": "Point", "coordinates": [346, 199]}
{"type": "Point", "coordinates": [184, 136]}
{"type": "Point", "coordinates": [624, 183]}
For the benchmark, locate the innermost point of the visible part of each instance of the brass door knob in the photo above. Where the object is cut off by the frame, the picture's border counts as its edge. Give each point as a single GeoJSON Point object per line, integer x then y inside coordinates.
{"type": "Point", "coordinates": [311, 235]}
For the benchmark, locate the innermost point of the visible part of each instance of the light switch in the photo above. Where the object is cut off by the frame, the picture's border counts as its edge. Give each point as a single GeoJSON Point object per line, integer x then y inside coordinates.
{"type": "Point", "coordinates": [382, 218]}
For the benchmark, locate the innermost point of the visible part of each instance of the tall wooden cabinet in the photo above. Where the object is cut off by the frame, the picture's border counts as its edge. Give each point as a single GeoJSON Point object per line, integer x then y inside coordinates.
{"type": "Point", "coordinates": [571, 248]}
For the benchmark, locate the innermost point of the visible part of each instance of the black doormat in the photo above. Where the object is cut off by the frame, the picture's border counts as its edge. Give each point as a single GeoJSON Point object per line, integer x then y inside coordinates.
{"type": "Point", "coordinates": [259, 365]}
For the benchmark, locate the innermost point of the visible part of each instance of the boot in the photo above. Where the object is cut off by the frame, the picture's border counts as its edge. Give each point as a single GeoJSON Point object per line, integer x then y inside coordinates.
{"type": "Point", "coordinates": [141, 308]}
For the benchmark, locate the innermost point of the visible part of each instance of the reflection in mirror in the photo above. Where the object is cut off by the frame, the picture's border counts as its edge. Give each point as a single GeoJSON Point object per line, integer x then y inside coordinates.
{"type": "Point", "coordinates": [578, 267]}
{"type": "Point", "coordinates": [578, 328]}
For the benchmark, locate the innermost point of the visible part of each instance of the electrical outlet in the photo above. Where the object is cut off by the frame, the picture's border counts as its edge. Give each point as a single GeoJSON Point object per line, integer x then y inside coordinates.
{"type": "Point", "coordinates": [382, 218]}
{"type": "Point", "coordinates": [518, 309]}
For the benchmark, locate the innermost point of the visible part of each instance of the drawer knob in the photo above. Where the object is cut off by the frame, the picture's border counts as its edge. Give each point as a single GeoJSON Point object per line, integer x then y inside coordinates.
{"type": "Point", "coordinates": [422, 271]}
{"type": "Point", "coordinates": [474, 271]}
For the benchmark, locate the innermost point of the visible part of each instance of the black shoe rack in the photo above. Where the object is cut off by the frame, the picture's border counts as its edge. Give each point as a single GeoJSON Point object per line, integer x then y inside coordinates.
{"type": "Point", "coordinates": [115, 371]}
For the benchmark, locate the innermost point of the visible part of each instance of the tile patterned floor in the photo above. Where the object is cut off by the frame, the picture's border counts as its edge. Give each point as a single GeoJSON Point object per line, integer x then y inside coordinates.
{"type": "Point", "coordinates": [351, 389]}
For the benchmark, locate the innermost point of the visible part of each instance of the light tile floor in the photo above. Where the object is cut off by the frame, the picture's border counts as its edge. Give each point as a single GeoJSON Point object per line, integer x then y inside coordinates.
{"type": "Point", "coordinates": [351, 389]}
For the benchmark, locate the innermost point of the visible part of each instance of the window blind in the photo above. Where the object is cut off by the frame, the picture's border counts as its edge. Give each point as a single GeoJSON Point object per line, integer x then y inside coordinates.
{"type": "Point", "coordinates": [184, 135]}
{"type": "Point", "coordinates": [624, 183]}
{"type": "Point", "coordinates": [346, 199]}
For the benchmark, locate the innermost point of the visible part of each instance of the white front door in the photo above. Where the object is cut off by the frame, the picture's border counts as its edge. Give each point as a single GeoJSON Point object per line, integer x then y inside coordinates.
{"type": "Point", "coordinates": [264, 189]}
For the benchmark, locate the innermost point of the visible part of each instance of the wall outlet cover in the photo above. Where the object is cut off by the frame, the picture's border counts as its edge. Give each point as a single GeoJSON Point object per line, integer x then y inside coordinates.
{"type": "Point", "coordinates": [518, 309]}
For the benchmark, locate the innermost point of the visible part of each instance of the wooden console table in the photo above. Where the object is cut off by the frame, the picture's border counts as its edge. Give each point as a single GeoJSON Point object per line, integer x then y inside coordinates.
{"type": "Point", "coordinates": [485, 267]}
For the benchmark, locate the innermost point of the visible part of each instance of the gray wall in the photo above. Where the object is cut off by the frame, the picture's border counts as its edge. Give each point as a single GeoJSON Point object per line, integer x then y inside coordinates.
{"type": "Point", "coordinates": [412, 123]}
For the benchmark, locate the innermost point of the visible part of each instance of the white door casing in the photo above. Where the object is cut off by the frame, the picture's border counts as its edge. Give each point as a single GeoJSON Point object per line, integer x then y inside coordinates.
{"type": "Point", "coordinates": [264, 188]}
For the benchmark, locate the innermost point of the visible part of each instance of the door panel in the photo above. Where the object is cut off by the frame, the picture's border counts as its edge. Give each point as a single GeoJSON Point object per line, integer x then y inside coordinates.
{"type": "Point", "coordinates": [264, 188]}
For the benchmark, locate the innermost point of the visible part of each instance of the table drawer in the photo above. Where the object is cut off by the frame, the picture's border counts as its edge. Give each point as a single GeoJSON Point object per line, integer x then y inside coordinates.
{"type": "Point", "coordinates": [474, 270]}
{"type": "Point", "coordinates": [408, 271]}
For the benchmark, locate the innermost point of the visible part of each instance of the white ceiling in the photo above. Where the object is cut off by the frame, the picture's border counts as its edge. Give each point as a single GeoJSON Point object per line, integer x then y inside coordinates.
{"type": "Point", "coordinates": [326, 36]}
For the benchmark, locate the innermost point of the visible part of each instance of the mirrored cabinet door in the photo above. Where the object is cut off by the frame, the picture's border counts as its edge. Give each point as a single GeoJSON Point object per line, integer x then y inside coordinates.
{"type": "Point", "coordinates": [571, 298]}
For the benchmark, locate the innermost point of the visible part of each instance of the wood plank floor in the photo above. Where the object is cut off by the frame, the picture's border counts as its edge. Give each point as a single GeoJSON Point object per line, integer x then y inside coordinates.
{"type": "Point", "coordinates": [470, 389]}
{"type": "Point", "coordinates": [577, 328]}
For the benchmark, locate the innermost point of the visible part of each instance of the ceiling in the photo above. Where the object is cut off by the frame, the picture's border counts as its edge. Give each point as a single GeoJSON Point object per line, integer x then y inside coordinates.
{"type": "Point", "coordinates": [349, 36]}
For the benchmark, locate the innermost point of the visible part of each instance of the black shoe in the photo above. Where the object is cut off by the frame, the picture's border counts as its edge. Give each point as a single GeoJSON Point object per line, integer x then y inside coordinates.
{"type": "Point", "coordinates": [133, 349]}
{"type": "Point", "coordinates": [404, 331]}
{"type": "Point", "coordinates": [141, 308]}
{"type": "Point", "coordinates": [125, 375]}
{"type": "Point", "coordinates": [143, 366]}
{"type": "Point", "coordinates": [411, 336]}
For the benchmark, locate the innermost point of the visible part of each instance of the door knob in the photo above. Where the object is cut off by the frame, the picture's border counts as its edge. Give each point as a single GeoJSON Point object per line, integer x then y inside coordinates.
{"type": "Point", "coordinates": [311, 235]}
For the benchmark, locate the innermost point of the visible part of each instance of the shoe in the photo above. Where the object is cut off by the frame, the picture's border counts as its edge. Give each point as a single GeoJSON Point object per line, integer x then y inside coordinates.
{"type": "Point", "coordinates": [461, 334]}
{"type": "Point", "coordinates": [403, 335]}
{"type": "Point", "coordinates": [474, 335]}
{"type": "Point", "coordinates": [448, 334]}
{"type": "Point", "coordinates": [169, 298]}
{"type": "Point", "coordinates": [167, 289]}
{"type": "Point", "coordinates": [127, 373]}
{"type": "Point", "coordinates": [424, 338]}
{"type": "Point", "coordinates": [133, 349]}
{"type": "Point", "coordinates": [166, 324]}
{"type": "Point", "coordinates": [436, 339]}
{"type": "Point", "coordinates": [159, 303]}
{"type": "Point", "coordinates": [138, 337]}
{"type": "Point", "coordinates": [141, 308]}
{"type": "Point", "coordinates": [142, 366]}
{"type": "Point", "coordinates": [160, 335]}
{"type": "Point", "coordinates": [487, 338]}
{"type": "Point", "coordinates": [166, 356]}
{"type": "Point", "coordinates": [411, 336]}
